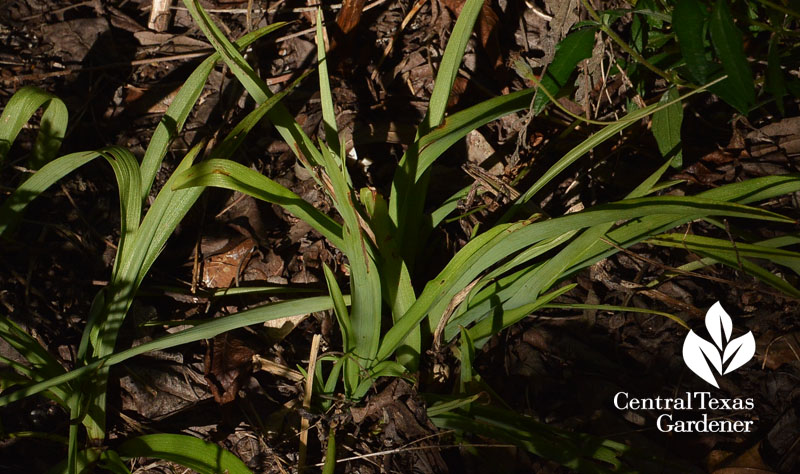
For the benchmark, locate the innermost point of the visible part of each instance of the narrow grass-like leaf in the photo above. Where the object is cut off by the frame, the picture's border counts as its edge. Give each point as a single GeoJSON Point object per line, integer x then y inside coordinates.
{"type": "Point", "coordinates": [573, 450]}
{"type": "Point", "coordinates": [688, 20]}
{"type": "Point", "coordinates": [343, 318]}
{"type": "Point", "coordinates": [744, 192]}
{"type": "Point", "coordinates": [574, 48]}
{"type": "Point", "coordinates": [326, 98]}
{"type": "Point", "coordinates": [727, 40]}
{"type": "Point", "coordinates": [396, 287]}
{"type": "Point", "coordinates": [385, 368]}
{"type": "Point", "coordinates": [129, 185]}
{"type": "Point", "coordinates": [43, 365]}
{"type": "Point", "coordinates": [288, 128]}
{"type": "Point", "coordinates": [207, 330]}
{"type": "Point", "coordinates": [503, 241]}
{"type": "Point", "coordinates": [365, 312]}
{"type": "Point", "coordinates": [467, 356]}
{"type": "Point", "coordinates": [457, 126]}
{"type": "Point", "coordinates": [408, 193]}
{"type": "Point", "coordinates": [451, 61]}
{"type": "Point", "coordinates": [667, 128]}
{"type": "Point", "coordinates": [234, 176]}
{"type": "Point", "coordinates": [13, 207]}
{"type": "Point", "coordinates": [486, 328]}
{"type": "Point", "coordinates": [188, 451]}
{"type": "Point", "coordinates": [235, 137]}
{"type": "Point", "coordinates": [582, 148]}
{"type": "Point", "coordinates": [409, 185]}
{"type": "Point", "coordinates": [329, 467]}
{"type": "Point", "coordinates": [19, 109]}
{"type": "Point", "coordinates": [735, 256]}
{"type": "Point", "coordinates": [775, 82]}
{"type": "Point", "coordinates": [173, 120]}
{"type": "Point", "coordinates": [441, 287]}
{"type": "Point", "coordinates": [710, 245]}
{"type": "Point", "coordinates": [553, 269]}
{"type": "Point", "coordinates": [629, 309]}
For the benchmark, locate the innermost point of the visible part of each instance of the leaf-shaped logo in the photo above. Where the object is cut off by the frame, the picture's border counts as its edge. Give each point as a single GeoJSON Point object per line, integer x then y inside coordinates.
{"type": "Point", "coordinates": [701, 355]}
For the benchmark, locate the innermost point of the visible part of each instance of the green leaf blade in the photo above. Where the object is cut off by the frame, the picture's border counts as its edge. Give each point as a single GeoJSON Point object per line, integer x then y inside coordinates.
{"type": "Point", "coordinates": [688, 21]}
{"type": "Point", "coordinates": [738, 89]}
{"type": "Point", "coordinates": [234, 176]}
{"type": "Point", "coordinates": [667, 128]}
{"type": "Point", "coordinates": [19, 110]}
{"type": "Point", "coordinates": [188, 451]}
{"type": "Point", "coordinates": [573, 49]}
{"type": "Point", "coordinates": [174, 119]}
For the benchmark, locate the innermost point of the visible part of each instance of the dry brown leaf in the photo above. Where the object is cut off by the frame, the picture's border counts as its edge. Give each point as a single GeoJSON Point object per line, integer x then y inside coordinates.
{"type": "Point", "coordinates": [564, 16]}
{"type": "Point", "coordinates": [699, 173]}
{"type": "Point", "coordinates": [486, 29]}
{"type": "Point", "coordinates": [228, 363]}
{"type": "Point", "coordinates": [781, 350]}
{"type": "Point", "coordinates": [220, 271]}
{"type": "Point", "coordinates": [350, 15]}
{"type": "Point", "coordinates": [277, 329]}
{"type": "Point", "coordinates": [749, 462]}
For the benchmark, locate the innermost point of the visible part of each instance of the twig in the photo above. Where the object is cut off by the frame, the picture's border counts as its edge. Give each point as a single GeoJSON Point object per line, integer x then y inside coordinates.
{"type": "Point", "coordinates": [58, 10]}
{"type": "Point", "coordinates": [139, 62]}
{"type": "Point", "coordinates": [159, 15]}
{"type": "Point", "coordinates": [312, 367]}
{"type": "Point", "coordinates": [420, 448]}
{"type": "Point", "coordinates": [625, 47]}
{"type": "Point", "coordinates": [396, 35]}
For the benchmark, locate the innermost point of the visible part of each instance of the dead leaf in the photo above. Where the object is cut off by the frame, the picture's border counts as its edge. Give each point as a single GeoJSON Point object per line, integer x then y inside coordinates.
{"type": "Point", "coordinates": [350, 15]}
{"type": "Point", "coordinates": [134, 94]}
{"type": "Point", "coordinates": [228, 363]}
{"type": "Point", "coordinates": [220, 271]}
{"type": "Point", "coordinates": [274, 368]}
{"type": "Point", "coordinates": [718, 157]}
{"type": "Point", "coordinates": [564, 16]}
{"type": "Point", "coordinates": [277, 329]}
{"type": "Point", "coordinates": [779, 448]}
{"type": "Point", "coordinates": [178, 43]}
{"type": "Point", "coordinates": [786, 127]}
{"type": "Point", "coordinates": [781, 350]}
{"type": "Point", "coordinates": [73, 39]}
{"type": "Point", "coordinates": [782, 137]}
{"type": "Point", "coordinates": [749, 462]}
{"type": "Point", "coordinates": [699, 173]}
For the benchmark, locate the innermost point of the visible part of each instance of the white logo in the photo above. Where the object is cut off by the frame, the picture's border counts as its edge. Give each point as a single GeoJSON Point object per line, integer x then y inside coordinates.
{"type": "Point", "coordinates": [723, 353]}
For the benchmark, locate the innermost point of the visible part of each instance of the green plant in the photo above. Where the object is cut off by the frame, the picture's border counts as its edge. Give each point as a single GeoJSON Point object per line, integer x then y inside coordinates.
{"type": "Point", "coordinates": [499, 277]}
{"type": "Point", "coordinates": [502, 275]}
{"type": "Point", "coordinates": [141, 240]}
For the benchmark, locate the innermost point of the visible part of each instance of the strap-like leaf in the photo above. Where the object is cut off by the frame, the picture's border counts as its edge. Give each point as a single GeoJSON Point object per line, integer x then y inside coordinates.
{"type": "Point", "coordinates": [288, 128]}
{"type": "Point", "coordinates": [19, 109]}
{"type": "Point", "coordinates": [688, 20]}
{"type": "Point", "coordinates": [173, 120]}
{"type": "Point", "coordinates": [667, 128]}
{"type": "Point", "coordinates": [574, 48]}
{"type": "Point", "coordinates": [188, 451]}
{"type": "Point", "coordinates": [727, 40]}
{"type": "Point", "coordinates": [234, 176]}
{"type": "Point", "coordinates": [206, 330]}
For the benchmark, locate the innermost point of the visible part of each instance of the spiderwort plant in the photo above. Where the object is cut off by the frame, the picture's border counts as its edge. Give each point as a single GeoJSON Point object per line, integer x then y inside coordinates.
{"type": "Point", "coordinates": [142, 237]}
{"type": "Point", "coordinates": [498, 278]}
{"type": "Point", "coordinates": [498, 268]}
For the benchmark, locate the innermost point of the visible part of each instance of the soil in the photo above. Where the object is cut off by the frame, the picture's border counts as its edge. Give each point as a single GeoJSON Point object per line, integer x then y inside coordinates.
{"type": "Point", "coordinates": [562, 367]}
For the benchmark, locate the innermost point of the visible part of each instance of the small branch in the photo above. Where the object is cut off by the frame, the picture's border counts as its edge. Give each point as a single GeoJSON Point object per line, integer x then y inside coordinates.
{"type": "Point", "coordinates": [159, 15]}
